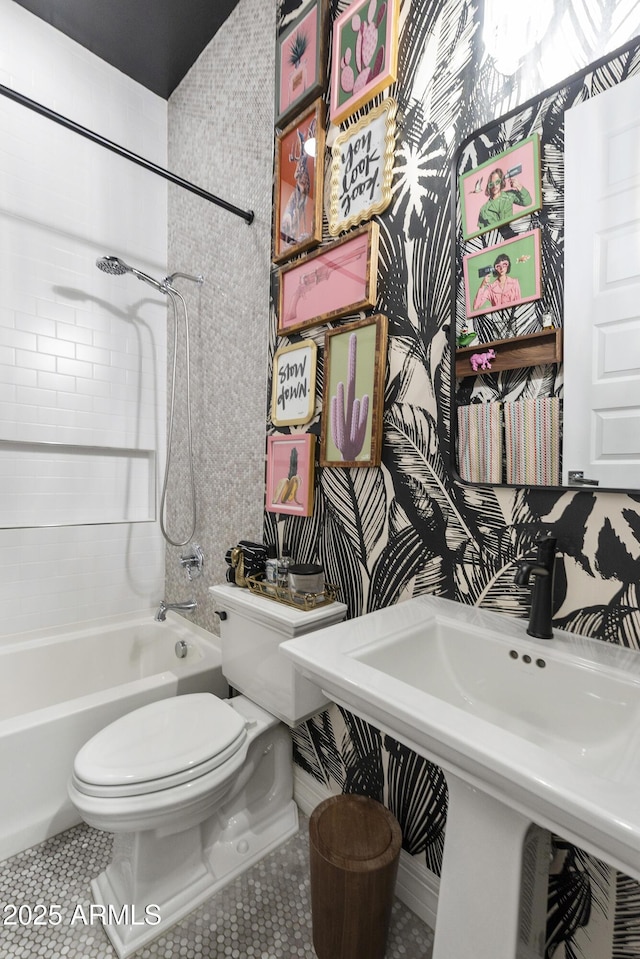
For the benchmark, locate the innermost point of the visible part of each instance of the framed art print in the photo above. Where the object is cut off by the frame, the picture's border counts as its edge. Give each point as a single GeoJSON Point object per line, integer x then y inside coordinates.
{"type": "Point", "coordinates": [293, 391]}
{"type": "Point", "coordinates": [290, 469]}
{"type": "Point", "coordinates": [355, 359]}
{"type": "Point", "coordinates": [299, 172]}
{"type": "Point", "coordinates": [362, 161]}
{"type": "Point", "coordinates": [501, 189]}
{"type": "Point", "coordinates": [340, 278]}
{"type": "Point", "coordinates": [364, 54]}
{"type": "Point", "coordinates": [503, 275]}
{"type": "Point", "coordinates": [301, 61]}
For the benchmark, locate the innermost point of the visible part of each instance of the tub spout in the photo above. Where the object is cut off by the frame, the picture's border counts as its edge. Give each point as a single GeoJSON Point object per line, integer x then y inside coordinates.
{"type": "Point", "coordinates": [188, 606]}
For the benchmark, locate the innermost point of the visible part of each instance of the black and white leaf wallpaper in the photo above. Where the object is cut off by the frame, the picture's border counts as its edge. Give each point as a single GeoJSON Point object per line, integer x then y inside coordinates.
{"type": "Point", "coordinates": [386, 534]}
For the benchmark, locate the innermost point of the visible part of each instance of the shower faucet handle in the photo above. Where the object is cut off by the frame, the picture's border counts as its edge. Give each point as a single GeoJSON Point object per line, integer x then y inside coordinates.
{"type": "Point", "coordinates": [192, 561]}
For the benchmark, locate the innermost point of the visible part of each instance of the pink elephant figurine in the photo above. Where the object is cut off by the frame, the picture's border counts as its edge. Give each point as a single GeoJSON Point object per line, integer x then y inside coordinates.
{"type": "Point", "coordinates": [482, 361]}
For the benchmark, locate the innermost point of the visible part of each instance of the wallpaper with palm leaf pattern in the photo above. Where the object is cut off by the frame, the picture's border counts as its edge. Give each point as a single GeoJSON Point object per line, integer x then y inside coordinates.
{"type": "Point", "coordinates": [386, 534]}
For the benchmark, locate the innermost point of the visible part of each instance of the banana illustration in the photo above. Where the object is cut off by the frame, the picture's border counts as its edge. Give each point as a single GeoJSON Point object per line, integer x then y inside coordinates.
{"type": "Point", "coordinates": [285, 491]}
{"type": "Point", "coordinates": [294, 483]}
{"type": "Point", "coordinates": [280, 488]}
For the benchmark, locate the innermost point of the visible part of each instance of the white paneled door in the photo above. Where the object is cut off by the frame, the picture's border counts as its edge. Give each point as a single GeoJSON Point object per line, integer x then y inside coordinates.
{"type": "Point", "coordinates": [601, 435]}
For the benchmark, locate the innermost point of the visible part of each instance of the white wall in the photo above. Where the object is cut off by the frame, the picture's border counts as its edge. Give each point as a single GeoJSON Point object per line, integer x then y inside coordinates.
{"type": "Point", "coordinates": [82, 354]}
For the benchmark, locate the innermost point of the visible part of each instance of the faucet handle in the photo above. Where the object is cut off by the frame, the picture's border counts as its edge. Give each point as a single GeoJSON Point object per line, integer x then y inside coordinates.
{"type": "Point", "coordinates": [546, 538]}
{"type": "Point", "coordinates": [547, 546]}
{"type": "Point", "coordinates": [192, 561]}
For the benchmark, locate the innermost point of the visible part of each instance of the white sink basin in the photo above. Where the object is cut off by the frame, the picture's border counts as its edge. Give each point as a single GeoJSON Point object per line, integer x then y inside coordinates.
{"type": "Point", "coordinates": [551, 694]}
{"type": "Point", "coordinates": [526, 731]}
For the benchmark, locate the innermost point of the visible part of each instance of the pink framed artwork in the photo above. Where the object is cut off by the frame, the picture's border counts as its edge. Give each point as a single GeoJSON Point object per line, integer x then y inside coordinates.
{"type": "Point", "coordinates": [290, 469]}
{"type": "Point", "coordinates": [301, 61]}
{"type": "Point", "coordinates": [501, 189]}
{"type": "Point", "coordinates": [330, 283]}
{"type": "Point", "coordinates": [364, 54]}
{"type": "Point", "coordinates": [503, 275]}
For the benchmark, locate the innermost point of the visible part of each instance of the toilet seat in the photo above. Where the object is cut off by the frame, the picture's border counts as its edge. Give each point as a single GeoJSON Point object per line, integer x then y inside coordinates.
{"type": "Point", "coordinates": [158, 746]}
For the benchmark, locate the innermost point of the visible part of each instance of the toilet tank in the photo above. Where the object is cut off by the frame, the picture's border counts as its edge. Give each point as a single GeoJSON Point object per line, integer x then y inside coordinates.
{"type": "Point", "coordinates": [251, 633]}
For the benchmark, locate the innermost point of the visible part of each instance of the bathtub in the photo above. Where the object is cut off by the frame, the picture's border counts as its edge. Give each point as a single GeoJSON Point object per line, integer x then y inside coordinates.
{"type": "Point", "coordinates": [59, 687]}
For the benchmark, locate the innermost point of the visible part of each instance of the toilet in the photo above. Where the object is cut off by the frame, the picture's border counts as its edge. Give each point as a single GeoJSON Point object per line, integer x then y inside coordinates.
{"type": "Point", "coordinates": [194, 788]}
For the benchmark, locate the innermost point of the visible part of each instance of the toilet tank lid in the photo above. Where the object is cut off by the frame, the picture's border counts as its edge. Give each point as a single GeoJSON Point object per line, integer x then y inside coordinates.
{"type": "Point", "coordinates": [159, 740]}
{"type": "Point", "coordinates": [288, 620]}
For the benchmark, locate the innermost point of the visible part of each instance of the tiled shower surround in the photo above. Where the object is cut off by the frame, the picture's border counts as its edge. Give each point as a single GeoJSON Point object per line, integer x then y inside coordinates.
{"type": "Point", "coordinates": [82, 354]}
{"type": "Point", "coordinates": [263, 914]}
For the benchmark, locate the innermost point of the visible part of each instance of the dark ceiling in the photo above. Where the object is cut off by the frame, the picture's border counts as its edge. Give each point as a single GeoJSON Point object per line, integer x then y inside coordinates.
{"type": "Point", "coordinates": [153, 41]}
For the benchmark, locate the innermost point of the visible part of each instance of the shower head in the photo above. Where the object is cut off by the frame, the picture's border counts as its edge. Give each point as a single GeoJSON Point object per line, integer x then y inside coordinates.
{"type": "Point", "coordinates": [117, 267]}
{"type": "Point", "coordinates": [111, 264]}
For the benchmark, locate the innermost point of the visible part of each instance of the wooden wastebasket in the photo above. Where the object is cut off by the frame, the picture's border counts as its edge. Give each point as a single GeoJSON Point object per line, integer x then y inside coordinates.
{"type": "Point", "coordinates": [354, 848]}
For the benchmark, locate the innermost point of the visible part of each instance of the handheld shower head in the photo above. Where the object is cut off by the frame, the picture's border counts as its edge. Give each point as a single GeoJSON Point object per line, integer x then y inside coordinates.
{"type": "Point", "coordinates": [117, 267]}
{"type": "Point", "coordinates": [112, 264]}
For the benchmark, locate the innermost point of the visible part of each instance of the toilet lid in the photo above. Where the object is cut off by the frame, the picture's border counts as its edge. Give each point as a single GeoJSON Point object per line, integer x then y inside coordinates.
{"type": "Point", "coordinates": [171, 740]}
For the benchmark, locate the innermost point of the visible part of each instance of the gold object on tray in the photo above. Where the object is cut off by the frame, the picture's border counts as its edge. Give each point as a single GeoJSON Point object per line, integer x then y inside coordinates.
{"type": "Point", "coordinates": [292, 597]}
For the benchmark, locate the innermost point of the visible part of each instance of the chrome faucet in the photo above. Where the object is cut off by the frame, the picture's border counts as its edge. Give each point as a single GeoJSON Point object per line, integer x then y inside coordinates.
{"type": "Point", "coordinates": [542, 568]}
{"type": "Point", "coordinates": [188, 606]}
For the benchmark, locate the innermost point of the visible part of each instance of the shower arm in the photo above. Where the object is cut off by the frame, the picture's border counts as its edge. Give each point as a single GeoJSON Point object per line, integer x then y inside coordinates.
{"type": "Point", "coordinates": [168, 280]}
{"type": "Point", "coordinates": [246, 215]}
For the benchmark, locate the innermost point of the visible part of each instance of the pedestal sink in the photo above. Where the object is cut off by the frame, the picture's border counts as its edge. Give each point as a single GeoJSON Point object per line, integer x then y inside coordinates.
{"type": "Point", "coordinates": [526, 731]}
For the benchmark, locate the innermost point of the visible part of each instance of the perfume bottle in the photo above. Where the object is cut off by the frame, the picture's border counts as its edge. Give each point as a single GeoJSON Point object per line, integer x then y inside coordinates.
{"type": "Point", "coordinates": [283, 567]}
{"type": "Point", "coordinates": [271, 565]}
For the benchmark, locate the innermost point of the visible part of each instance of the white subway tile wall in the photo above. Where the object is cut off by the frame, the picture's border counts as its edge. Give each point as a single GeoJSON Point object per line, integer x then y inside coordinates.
{"type": "Point", "coordinates": [82, 353]}
{"type": "Point", "coordinates": [51, 484]}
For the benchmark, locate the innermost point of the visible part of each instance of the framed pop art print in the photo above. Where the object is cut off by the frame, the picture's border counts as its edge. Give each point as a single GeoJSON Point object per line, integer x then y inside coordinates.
{"type": "Point", "coordinates": [299, 173]}
{"type": "Point", "coordinates": [501, 189]}
{"type": "Point", "coordinates": [301, 61]}
{"type": "Point", "coordinates": [290, 469]}
{"type": "Point", "coordinates": [340, 278]}
{"type": "Point", "coordinates": [503, 275]}
{"type": "Point", "coordinates": [355, 361]}
{"type": "Point", "coordinates": [364, 54]}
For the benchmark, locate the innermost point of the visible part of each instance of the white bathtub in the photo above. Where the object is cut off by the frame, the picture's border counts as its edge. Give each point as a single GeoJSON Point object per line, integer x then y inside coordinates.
{"type": "Point", "coordinates": [59, 687]}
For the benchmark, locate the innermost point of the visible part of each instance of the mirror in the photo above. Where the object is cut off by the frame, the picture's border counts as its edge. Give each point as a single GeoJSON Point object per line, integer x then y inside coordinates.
{"type": "Point", "coordinates": [530, 294]}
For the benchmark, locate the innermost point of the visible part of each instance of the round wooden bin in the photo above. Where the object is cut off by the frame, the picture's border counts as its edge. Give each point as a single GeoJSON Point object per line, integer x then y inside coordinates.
{"type": "Point", "coordinates": [354, 848]}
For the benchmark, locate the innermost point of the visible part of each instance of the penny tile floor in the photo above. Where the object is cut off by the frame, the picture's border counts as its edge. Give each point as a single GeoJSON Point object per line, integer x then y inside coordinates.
{"type": "Point", "coordinates": [263, 914]}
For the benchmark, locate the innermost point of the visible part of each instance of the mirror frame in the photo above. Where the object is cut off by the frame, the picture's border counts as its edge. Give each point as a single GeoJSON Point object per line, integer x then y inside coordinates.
{"type": "Point", "coordinates": [536, 106]}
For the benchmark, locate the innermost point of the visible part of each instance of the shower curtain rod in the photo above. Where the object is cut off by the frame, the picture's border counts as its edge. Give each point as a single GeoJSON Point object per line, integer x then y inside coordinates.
{"type": "Point", "coordinates": [246, 215]}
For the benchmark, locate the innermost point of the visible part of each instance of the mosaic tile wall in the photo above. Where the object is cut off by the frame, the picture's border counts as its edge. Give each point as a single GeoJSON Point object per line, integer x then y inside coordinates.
{"type": "Point", "coordinates": [221, 137]}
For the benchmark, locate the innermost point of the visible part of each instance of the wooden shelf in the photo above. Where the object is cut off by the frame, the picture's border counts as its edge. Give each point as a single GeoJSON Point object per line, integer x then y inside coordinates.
{"type": "Point", "coordinates": [514, 352]}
